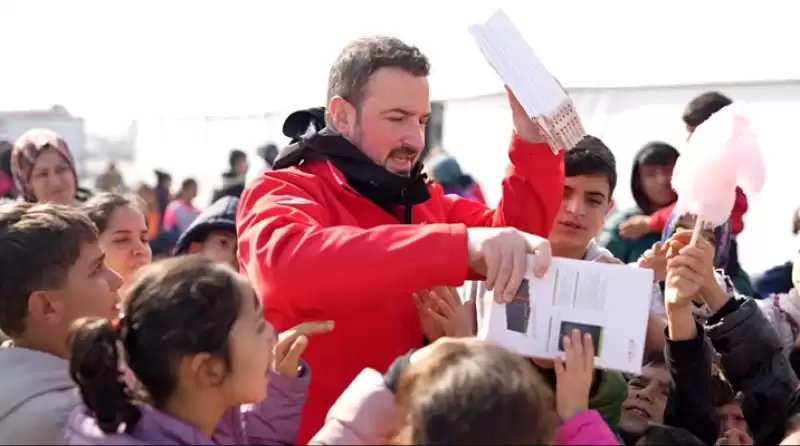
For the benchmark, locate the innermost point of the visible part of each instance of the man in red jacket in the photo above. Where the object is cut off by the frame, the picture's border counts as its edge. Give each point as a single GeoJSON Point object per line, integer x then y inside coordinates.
{"type": "Point", "coordinates": [345, 228]}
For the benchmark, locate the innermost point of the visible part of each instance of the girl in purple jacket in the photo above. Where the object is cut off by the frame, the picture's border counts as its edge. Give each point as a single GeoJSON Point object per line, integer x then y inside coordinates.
{"type": "Point", "coordinates": [190, 362]}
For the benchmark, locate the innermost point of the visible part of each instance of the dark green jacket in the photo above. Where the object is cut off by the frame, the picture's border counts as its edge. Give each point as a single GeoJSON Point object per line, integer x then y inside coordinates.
{"type": "Point", "coordinates": [626, 250]}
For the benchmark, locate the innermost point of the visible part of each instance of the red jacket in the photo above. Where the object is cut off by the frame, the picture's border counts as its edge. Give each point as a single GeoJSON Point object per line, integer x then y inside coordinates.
{"type": "Point", "coordinates": [314, 249]}
{"type": "Point", "coordinates": [658, 220]}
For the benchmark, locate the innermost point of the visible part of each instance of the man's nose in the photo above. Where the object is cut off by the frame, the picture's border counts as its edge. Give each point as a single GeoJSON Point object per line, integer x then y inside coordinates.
{"type": "Point", "coordinates": [415, 138]}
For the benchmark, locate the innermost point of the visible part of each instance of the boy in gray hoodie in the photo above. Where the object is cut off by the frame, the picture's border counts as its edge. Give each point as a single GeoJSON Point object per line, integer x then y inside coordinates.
{"type": "Point", "coordinates": [51, 273]}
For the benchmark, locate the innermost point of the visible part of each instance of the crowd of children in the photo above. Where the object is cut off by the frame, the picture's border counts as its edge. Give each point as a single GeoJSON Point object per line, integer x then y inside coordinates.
{"type": "Point", "coordinates": [336, 301]}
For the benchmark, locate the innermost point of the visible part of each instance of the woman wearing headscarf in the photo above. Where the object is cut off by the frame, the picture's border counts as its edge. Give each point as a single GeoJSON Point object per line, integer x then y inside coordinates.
{"type": "Point", "coordinates": [43, 169]}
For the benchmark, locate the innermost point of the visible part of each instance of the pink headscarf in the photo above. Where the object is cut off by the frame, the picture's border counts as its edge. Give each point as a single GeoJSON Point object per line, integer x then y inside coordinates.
{"type": "Point", "coordinates": [27, 149]}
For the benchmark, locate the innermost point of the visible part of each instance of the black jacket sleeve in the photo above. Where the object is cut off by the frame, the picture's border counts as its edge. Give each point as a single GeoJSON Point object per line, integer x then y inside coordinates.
{"type": "Point", "coordinates": [690, 404]}
{"type": "Point", "coordinates": [754, 364]}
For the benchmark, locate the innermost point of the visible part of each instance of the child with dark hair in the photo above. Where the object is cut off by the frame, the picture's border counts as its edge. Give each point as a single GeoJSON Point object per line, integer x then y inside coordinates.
{"type": "Point", "coordinates": [197, 348]}
{"type": "Point", "coordinates": [213, 233]}
{"type": "Point", "coordinates": [465, 391]}
{"type": "Point", "coordinates": [732, 424]}
{"type": "Point", "coordinates": [658, 434]}
{"type": "Point", "coordinates": [651, 186]}
{"type": "Point", "coordinates": [51, 273]}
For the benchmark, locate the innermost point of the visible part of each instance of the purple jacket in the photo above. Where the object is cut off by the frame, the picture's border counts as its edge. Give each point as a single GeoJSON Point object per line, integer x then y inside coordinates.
{"type": "Point", "coordinates": [276, 420]}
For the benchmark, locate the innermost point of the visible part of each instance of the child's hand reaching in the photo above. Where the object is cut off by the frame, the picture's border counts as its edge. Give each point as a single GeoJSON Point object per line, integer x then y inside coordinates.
{"type": "Point", "coordinates": [734, 437]}
{"type": "Point", "coordinates": [574, 374]}
{"type": "Point", "coordinates": [690, 269]}
{"type": "Point", "coordinates": [443, 314]}
{"type": "Point", "coordinates": [292, 343]}
{"type": "Point", "coordinates": [655, 258]}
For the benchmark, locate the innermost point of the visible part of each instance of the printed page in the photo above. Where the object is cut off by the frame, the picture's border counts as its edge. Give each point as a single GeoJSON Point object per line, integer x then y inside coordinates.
{"type": "Point", "coordinates": [516, 63]}
{"type": "Point", "coordinates": [611, 302]}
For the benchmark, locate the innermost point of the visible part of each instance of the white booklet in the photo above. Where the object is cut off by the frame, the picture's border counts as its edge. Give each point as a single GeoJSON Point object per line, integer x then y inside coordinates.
{"type": "Point", "coordinates": [536, 89]}
{"type": "Point", "coordinates": [611, 302]}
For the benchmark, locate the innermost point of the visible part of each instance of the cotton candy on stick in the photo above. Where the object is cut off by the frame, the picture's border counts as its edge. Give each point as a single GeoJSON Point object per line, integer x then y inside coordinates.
{"type": "Point", "coordinates": [723, 153]}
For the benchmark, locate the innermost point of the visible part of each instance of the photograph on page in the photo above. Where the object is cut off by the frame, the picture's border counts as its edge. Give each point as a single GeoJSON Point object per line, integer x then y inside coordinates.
{"type": "Point", "coordinates": [609, 302]}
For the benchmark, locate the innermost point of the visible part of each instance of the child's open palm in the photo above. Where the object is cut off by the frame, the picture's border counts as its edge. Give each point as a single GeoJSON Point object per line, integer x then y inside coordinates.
{"type": "Point", "coordinates": [443, 314]}
{"type": "Point", "coordinates": [574, 374]}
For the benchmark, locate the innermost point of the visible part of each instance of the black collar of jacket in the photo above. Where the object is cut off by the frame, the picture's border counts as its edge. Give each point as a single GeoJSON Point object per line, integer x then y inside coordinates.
{"type": "Point", "coordinates": [372, 181]}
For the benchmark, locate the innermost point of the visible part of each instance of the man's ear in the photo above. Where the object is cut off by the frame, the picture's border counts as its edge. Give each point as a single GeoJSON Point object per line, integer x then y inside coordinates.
{"type": "Point", "coordinates": [342, 116]}
{"type": "Point", "coordinates": [43, 308]}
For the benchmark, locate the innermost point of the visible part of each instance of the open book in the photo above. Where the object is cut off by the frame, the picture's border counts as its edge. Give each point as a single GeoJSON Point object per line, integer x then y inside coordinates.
{"type": "Point", "coordinates": [611, 302]}
{"type": "Point", "coordinates": [536, 89]}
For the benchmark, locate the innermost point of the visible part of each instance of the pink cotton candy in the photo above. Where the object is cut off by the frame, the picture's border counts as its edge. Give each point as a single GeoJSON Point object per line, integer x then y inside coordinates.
{"type": "Point", "coordinates": [723, 153]}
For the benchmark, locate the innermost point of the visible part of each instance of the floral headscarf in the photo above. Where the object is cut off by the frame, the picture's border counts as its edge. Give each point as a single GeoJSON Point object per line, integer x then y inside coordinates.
{"type": "Point", "coordinates": [25, 152]}
{"type": "Point", "coordinates": [722, 239]}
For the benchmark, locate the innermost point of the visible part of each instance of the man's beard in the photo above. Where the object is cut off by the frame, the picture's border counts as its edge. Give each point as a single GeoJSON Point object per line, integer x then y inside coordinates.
{"type": "Point", "coordinates": [356, 139]}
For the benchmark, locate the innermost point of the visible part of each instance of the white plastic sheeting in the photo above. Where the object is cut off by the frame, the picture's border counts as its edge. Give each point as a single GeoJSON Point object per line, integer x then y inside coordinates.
{"type": "Point", "coordinates": [626, 119]}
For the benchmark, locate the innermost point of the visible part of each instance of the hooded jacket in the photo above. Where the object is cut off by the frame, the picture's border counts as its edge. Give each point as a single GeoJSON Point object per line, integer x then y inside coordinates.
{"type": "Point", "coordinates": [625, 249]}
{"type": "Point", "coordinates": [220, 216]}
{"type": "Point", "coordinates": [37, 396]}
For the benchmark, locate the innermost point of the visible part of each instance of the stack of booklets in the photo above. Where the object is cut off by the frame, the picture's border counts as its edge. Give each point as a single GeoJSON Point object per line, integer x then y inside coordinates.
{"type": "Point", "coordinates": [539, 93]}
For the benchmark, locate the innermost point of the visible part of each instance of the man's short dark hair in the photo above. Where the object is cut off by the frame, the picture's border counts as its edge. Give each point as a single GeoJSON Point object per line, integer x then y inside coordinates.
{"type": "Point", "coordinates": [39, 244]}
{"type": "Point", "coordinates": [361, 58]}
{"type": "Point", "coordinates": [702, 107]}
{"type": "Point", "coordinates": [591, 157]}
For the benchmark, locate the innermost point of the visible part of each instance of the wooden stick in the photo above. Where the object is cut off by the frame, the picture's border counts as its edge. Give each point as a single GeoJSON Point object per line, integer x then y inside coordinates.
{"type": "Point", "coordinates": [672, 295]}
{"type": "Point", "coordinates": [698, 229]}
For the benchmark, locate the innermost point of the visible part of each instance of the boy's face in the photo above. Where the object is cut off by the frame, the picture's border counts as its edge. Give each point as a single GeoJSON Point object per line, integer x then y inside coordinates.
{"type": "Point", "coordinates": [647, 400]}
{"type": "Point", "coordinates": [89, 291]}
{"type": "Point", "coordinates": [586, 202]}
{"type": "Point", "coordinates": [731, 417]}
{"type": "Point", "coordinates": [219, 246]}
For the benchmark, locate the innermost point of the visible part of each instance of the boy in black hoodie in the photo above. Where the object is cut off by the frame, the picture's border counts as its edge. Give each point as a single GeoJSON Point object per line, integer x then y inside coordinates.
{"type": "Point", "coordinates": [213, 233]}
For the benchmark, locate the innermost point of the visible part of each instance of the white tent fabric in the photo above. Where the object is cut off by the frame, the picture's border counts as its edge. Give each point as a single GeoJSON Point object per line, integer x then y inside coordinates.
{"type": "Point", "coordinates": [626, 119]}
